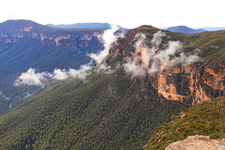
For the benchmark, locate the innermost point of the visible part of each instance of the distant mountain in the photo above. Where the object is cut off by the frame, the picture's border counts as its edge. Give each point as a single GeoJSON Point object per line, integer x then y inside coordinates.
{"type": "Point", "coordinates": [83, 25]}
{"type": "Point", "coordinates": [213, 28]}
{"type": "Point", "coordinates": [22, 25]}
{"type": "Point", "coordinates": [185, 29]}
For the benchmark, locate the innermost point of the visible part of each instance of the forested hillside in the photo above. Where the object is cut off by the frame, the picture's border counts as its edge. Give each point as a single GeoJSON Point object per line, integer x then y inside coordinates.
{"type": "Point", "coordinates": [137, 82]}
{"type": "Point", "coordinates": [207, 118]}
{"type": "Point", "coordinates": [108, 111]}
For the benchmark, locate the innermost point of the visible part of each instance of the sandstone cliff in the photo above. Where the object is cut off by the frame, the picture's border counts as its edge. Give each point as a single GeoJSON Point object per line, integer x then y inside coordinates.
{"type": "Point", "coordinates": [28, 32]}
{"type": "Point", "coordinates": [193, 83]}
{"type": "Point", "coordinates": [197, 142]}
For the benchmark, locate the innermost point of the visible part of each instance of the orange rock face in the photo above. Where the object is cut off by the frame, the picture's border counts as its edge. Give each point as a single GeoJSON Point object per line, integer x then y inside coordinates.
{"type": "Point", "coordinates": [144, 56]}
{"type": "Point", "coordinates": [179, 83]}
{"type": "Point", "coordinates": [27, 29]}
{"type": "Point", "coordinates": [169, 90]}
{"type": "Point", "coordinates": [29, 34]}
{"type": "Point", "coordinates": [217, 82]}
{"type": "Point", "coordinates": [188, 82]}
{"type": "Point", "coordinates": [61, 38]}
{"type": "Point", "coordinates": [117, 51]}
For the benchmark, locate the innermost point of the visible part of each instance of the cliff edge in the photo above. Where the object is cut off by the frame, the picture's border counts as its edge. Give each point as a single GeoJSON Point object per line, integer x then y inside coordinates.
{"type": "Point", "coordinates": [197, 142]}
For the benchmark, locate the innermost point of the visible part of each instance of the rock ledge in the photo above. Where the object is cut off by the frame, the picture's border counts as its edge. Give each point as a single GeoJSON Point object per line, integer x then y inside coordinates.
{"type": "Point", "coordinates": [197, 142]}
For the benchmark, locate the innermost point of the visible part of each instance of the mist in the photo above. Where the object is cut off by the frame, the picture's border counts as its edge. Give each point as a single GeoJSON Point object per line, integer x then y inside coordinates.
{"type": "Point", "coordinates": [31, 77]}
{"type": "Point", "coordinates": [149, 60]}
{"type": "Point", "coordinates": [107, 38]}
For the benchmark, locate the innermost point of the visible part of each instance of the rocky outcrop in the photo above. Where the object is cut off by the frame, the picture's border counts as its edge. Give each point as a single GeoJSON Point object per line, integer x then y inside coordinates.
{"type": "Point", "coordinates": [189, 84]}
{"type": "Point", "coordinates": [197, 142]}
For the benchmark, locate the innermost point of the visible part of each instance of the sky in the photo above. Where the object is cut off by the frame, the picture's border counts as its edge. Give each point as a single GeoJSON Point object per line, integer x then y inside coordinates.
{"type": "Point", "coordinates": [126, 13]}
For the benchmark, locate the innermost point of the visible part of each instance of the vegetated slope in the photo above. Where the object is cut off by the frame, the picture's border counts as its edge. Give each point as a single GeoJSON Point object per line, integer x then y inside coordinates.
{"type": "Point", "coordinates": [108, 111]}
{"type": "Point", "coordinates": [206, 118]}
{"type": "Point", "coordinates": [185, 29]}
{"type": "Point", "coordinates": [25, 44]}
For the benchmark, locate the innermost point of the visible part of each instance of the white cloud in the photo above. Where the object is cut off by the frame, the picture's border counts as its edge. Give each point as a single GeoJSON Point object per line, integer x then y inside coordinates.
{"type": "Point", "coordinates": [135, 70]}
{"type": "Point", "coordinates": [63, 74]}
{"type": "Point", "coordinates": [141, 39]}
{"type": "Point", "coordinates": [153, 59]}
{"type": "Point", "coordinates": [107, 38]}
{"type": "Point", "coordinates": [157, 38]}
{"type": "Point", "coordinates": [164, 55]}
{"type": "Point", "coordinates": [32, 78]}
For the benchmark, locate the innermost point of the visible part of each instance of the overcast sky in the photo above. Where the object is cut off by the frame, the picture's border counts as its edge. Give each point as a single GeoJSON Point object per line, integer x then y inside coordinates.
{"type": "Point", "coordinates": [126, 13]}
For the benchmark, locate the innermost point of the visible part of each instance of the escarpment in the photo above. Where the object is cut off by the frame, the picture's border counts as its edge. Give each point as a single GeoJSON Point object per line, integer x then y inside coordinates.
{"type": "Point", "coordinates": [28, 32]}
{"type": "Point", "coordinates": [188, 82]}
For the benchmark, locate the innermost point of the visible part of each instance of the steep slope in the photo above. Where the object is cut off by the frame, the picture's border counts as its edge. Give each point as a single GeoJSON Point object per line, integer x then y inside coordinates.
{"type": "Point", "coordinates": [108, 111]}
{"type": "Point", "coordinates": [206, 119]}
{"type": "Point", "coordinates": [179, 79]}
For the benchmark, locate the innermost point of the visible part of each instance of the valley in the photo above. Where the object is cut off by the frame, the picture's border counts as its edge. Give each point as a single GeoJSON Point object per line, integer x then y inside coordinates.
{"type": "Point", "coordinates": [137, 88]}
{"type": "Point", "coordinates": [25, 44]}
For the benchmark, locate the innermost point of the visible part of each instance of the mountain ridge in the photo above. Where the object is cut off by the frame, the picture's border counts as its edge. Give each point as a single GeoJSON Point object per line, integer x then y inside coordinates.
{"type": "Point", "coordinates": [185, 29]}
{"type": "Point", "coordinates": [212, 69]}
{"type": "Point", "coordinates": [84, 25]}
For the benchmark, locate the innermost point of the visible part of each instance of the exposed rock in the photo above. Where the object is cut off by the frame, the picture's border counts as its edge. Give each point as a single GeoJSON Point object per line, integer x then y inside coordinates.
{"type": "Point", "coordinates": [190, 84]}
{"type": "Point", "coordinates": [197, 142]}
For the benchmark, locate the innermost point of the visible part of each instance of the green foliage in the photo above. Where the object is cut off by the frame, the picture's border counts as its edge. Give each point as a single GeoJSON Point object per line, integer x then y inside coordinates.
{"type": "Point", "coordinates": [207, 119]}
{"type": "Point", "coordinates": [107, 111]}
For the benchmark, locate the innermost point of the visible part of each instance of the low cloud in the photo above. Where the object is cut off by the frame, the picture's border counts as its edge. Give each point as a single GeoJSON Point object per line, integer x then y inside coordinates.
{"type": "Point", "coordinates": [135, 70]}
{"type": "Point", "coordinates": [147, 60]}
{"type": "Point", "coordinates": [62, 74]}
{"type": "Point", "coordinates": [31, 77]}
{"type": "Point", "coordinates": [157, 38]}
{"type": "Point", "coordinates": [107, 38]}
